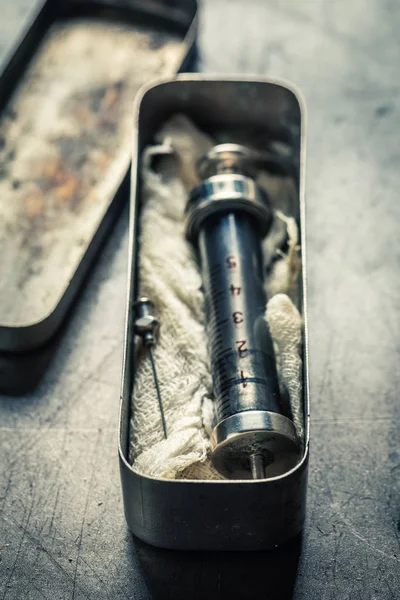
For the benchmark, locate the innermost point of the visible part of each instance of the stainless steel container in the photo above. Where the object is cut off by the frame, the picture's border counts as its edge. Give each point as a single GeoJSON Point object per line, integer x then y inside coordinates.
{"type": "Point", "coordinates": [65, 122]}
{"type": "Point", "coordinates": [214, 515]}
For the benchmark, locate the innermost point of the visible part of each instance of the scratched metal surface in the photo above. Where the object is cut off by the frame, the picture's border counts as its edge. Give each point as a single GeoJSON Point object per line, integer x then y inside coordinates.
{"type": "Point", "coordinates": [64, 139]}
{"type": "Point", "coordinates": [62, 531]}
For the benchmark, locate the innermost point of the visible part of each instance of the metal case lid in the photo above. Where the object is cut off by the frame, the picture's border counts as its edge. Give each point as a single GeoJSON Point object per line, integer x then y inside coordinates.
{"type": "Point", "coordinates": [65, 121]}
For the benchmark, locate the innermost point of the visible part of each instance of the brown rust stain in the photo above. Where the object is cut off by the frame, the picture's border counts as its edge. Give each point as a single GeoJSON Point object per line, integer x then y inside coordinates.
{"type": "Point", "coordinates": [55, 178]}
{"type": "Point", "coordinates": [34, 204]}
{"type": "Point", "coordinates": [66, 179]}
{"type": "Point", "coordinates": [61, 133]}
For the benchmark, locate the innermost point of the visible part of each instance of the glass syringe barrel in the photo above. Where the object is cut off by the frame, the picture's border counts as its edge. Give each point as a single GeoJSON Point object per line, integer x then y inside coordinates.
{"type": "Point", "coordinates": [241, 352]}
{"type": "Point", "coordinates": [227, 217]}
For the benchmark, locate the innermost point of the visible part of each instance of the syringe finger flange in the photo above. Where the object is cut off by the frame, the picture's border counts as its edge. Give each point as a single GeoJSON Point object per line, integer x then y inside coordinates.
{"type": "Point", "coordinates": [228, 158]}
{"type": "Point", "coordinates": [224, 193]}
{"type": "Point", "coordinates": [235, 158]}
{"type": "Point", "coordinates": [227, 171]}
{"type": "Point", "coordinates": [228, 214]}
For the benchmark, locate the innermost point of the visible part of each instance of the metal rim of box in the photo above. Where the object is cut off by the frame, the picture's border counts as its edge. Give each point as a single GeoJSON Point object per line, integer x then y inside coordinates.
{"type": "Point", "coordinates": [145, 513]}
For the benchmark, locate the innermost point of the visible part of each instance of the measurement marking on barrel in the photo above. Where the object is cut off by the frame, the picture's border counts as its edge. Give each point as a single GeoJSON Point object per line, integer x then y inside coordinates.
{"type": "Point", "coordinates": [216, 323]}
{"type": "Point", "coordinates": [221, 353]}
{"type": "Point", "coordinates": [226, 385]}
{"type": "Point", "coordinates": [243, 379]}
{"type": "Point", "coordinates": [237, 317]}
{"type": "Point", "coordinates": [242, 350]}
{"type": "Point", "coordinates": [216, 267]}
{"type": "Point", "coordinates": [231, 262]}
{"type": "Point", "coordinates": [235, 291]}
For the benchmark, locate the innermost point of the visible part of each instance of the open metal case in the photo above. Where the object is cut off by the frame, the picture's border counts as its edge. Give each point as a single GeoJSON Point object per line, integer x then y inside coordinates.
{"type": "Point", "coordinates": [65, 150]}
{"type": "Point", "coordinates": [213, 515]}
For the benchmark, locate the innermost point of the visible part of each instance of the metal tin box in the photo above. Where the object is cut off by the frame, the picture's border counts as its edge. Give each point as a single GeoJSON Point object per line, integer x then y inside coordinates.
{"type": "Point", "coordinates": [213, 515]}
{"type": "Point", "coordinates": [65, 123]}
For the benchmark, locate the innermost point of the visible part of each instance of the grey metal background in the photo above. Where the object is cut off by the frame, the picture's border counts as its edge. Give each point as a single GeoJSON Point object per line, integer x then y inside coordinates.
{"type": "Point", "coordinates": [62, 530]}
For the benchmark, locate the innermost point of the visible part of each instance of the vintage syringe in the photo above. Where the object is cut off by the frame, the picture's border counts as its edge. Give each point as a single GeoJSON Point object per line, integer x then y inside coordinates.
{"type": "Point", "coordinates": [227, 217]}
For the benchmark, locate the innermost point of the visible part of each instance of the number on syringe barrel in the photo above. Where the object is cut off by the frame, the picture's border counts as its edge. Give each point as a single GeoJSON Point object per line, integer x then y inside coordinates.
{"type": "Point", "coordinates": [238, 365]}
{"type": "Point", "coordinates": [230, 370]}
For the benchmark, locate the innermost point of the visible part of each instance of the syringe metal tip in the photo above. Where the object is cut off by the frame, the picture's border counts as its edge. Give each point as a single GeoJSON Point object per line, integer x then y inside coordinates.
{"type": "Point", "coordinates": [147, 327]}
{"type": "Point", "coordinates": [257, 466]}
